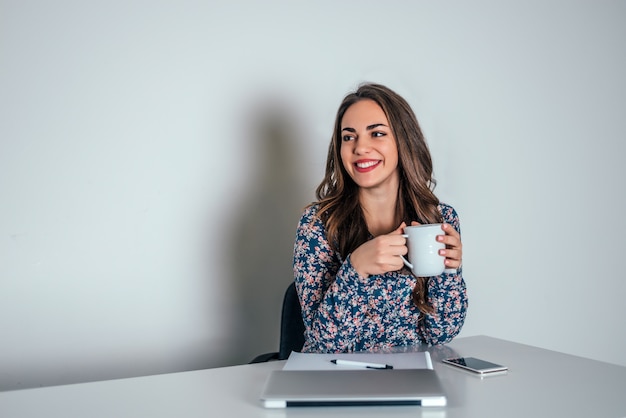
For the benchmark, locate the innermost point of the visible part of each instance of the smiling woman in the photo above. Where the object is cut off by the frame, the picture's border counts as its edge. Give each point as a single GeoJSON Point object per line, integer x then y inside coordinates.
{"type": "Point", "coordinates": [353, 287]}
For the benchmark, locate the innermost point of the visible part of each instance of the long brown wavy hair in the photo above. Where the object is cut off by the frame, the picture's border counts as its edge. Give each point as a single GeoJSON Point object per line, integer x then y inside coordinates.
{"type": "Point", "coordinates": [338, 194]}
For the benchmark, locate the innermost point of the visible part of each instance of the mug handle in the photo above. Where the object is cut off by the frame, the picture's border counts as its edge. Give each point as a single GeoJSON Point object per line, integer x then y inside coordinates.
{"type": "Point", "coordinates": [404, 260]}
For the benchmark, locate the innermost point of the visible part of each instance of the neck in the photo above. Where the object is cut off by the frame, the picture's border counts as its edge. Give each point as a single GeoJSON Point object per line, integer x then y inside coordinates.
{"type": "Point", "coordinates": [379, 209]}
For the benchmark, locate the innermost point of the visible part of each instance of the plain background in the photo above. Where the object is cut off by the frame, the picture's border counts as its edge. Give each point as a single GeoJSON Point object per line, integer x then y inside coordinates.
{"type": "Point", "coordinates": [155, 157]}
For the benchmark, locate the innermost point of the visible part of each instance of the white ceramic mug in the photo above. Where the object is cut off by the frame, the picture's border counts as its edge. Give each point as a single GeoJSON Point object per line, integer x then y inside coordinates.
{"type": "Point", "coordinates": [424, 250]}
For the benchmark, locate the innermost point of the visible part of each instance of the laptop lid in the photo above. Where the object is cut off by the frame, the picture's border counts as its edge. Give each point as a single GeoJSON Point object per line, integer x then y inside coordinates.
{"type": "Point", "coordinates": [286, 388]}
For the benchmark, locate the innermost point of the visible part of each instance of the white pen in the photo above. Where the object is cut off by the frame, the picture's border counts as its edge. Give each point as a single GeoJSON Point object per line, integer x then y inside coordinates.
{"type": "Point", "coordinates": [361, 364]}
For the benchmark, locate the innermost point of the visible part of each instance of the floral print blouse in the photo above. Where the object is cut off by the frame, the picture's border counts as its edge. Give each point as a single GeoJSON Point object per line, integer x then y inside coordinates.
{"type": "Point", "coordinates": [345, 312]}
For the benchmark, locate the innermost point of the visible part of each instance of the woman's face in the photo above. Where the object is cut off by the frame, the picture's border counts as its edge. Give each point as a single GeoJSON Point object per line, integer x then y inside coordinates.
{"type": "Point", "coordinates": [368, 147]}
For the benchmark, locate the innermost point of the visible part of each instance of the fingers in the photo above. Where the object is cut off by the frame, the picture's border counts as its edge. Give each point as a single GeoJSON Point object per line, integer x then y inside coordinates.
{"type": "Point", "coordinates": [452, 238]}
{"type": "Point", "coordinates": [381, 254]}
{"type": "Point", "coordinates": [449, 230]}
{"type": "Point", "coordinates": [453, 258]}
{"type": "Point", "coordinates": [392, 244]}
{"type": "Point", "coordinates": [454, 248]}
{"type": "Point", "coordinates": [400, 229]}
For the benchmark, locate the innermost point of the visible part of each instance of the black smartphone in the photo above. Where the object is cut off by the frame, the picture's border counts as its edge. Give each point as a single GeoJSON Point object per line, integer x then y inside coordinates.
{"type": "Point", "coordinates": [477, 366]}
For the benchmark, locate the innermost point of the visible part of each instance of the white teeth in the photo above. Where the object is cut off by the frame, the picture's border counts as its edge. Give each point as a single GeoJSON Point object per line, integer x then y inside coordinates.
{"type": "Point", "coordinates": [367, 164]}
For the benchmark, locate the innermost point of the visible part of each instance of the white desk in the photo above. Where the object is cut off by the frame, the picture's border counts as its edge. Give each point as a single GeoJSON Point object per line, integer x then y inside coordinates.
{"type": "Point", "coordinates": [540, 383]}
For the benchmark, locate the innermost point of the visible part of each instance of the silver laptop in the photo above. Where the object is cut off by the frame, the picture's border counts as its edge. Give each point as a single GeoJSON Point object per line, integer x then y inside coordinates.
{"type": "Point", "coordinates": [286, 388]}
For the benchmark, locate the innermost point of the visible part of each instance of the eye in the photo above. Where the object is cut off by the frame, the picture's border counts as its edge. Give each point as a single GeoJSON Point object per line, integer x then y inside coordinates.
{"type": "Point", "coordinates": [347, 138]}
{"type": "Point", "coordinates": [378, 134]}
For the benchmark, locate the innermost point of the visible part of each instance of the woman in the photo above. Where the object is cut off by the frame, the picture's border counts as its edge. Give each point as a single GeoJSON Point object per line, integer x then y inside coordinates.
{"type": "Point", "coordinates": [354, 290]}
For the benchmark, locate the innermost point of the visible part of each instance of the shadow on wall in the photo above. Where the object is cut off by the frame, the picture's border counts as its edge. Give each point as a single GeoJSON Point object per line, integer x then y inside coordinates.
{"type": "Point", "coordinates": [264, 233]}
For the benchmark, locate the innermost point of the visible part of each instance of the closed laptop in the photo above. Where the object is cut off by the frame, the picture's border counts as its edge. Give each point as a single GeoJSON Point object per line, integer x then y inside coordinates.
{"type": "Point", "coordinates": [287, 388]}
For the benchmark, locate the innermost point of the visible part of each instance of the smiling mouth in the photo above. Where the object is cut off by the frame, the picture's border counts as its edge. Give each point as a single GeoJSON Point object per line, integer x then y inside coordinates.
{"type": "Point", "coordinates": [365, 166]}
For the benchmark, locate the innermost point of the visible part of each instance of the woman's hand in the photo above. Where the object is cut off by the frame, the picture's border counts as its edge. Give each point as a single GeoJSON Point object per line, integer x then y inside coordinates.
{"type": "Point", "coordinates": [381, 254]}
{"type": "Point", "coordinates": [454, 248]}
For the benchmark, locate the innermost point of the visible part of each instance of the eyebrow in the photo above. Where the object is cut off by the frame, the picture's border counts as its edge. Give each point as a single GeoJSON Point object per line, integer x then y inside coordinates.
{"type": "Point", "coordinates": [368, 128]}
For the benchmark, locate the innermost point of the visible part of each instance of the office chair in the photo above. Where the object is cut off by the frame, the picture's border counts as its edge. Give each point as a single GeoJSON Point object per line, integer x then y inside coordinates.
{"type": "Point", "coordinates": [291, 328]}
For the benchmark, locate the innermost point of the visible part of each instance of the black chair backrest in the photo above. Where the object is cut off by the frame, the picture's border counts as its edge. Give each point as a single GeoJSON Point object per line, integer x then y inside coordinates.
{"type": "Point", "coordinates": [291, 325]}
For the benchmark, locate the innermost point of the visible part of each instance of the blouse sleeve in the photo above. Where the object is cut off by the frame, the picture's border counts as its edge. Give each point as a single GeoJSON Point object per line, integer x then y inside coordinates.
{"type": "Point", "coordinates": [447, 293]}
{"type": "Point", "coordinates": [330, 290]}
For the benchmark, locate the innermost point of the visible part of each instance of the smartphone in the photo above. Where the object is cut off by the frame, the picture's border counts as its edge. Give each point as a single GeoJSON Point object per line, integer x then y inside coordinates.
{"type": "Point", "coordinates": [477, 366]}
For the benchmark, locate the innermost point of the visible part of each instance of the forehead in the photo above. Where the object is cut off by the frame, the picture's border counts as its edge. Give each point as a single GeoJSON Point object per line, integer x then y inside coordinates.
{"type": "Point", "coordinates": [363, 113]}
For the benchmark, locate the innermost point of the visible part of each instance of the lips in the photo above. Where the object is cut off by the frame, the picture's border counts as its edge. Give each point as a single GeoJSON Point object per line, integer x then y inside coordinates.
{"type": "Point", "coordinates": [363, 166]}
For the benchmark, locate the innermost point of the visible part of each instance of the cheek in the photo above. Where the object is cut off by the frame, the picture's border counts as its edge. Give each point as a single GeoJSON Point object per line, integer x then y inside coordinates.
{"type": "Point", "coordinates": [346, 167]}
{"type": "Point", "coordinates": [395, 161]}
{"type": "Point", "coordinates": [393, 155]}
{"type": "Point", "coordinates": [344, 154]}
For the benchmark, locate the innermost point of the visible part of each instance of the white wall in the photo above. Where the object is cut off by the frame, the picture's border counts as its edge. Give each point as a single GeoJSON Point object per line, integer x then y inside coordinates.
{"type": "Point", "coordinates": [155, 157]}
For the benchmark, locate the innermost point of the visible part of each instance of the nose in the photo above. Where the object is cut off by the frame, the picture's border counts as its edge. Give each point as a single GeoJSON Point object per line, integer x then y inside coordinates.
{"type": "Point", "coordinates": [362, 146]}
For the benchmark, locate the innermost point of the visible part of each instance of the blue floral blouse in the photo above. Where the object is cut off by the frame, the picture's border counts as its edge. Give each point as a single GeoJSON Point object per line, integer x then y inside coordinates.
{"type": "Point", "coordinates": [345, 312]}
